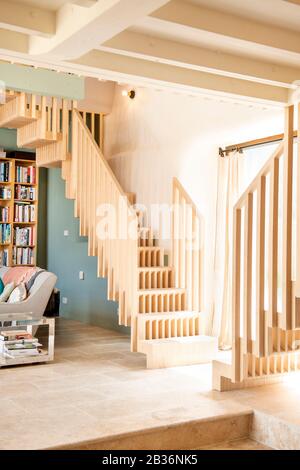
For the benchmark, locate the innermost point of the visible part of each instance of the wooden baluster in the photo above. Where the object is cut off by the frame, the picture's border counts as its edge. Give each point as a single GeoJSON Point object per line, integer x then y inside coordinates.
{"type": "Point", "coordinates": [260, 268]}
{"type": "Point", "coordinates": [297, 289]}
{"type": "Point", "coordinates": [248, 257]}
{"type": "Point", "coordinates": [273, 256]}
{"type": "Point", "coordinates": [287, 322]}
{"type": "Point", "coordinates": [54, 123]}
{"type": "Point", "coordinates": [33, 106]}
{"type": "Point", "coordinates": [236, 341]}
{"type": "Point", "coordinates": [189, 256]}
{"type": "Point", "coordinates": [101, 132]}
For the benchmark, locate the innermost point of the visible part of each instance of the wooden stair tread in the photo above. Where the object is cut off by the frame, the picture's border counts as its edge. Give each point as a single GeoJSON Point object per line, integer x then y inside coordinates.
{"type": "Point", "coordinates": [154, 268]}
{"type": "Point", "coordinates": [153, 248]}
{"type": "Point", "coordinates": [182, 340]}
{"type": "Point", "coordinates": [162, 290]}
{"type": "Point", "coordinates": [169, 315]}
{"type": "Point", "coordinates": [16, 121]}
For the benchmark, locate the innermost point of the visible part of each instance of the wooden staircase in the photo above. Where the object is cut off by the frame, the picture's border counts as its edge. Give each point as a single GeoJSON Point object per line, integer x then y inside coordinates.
{"type": "Point", "coordinates": [266, 288]}
{"type": "Point", "coordinates": [161, 304]}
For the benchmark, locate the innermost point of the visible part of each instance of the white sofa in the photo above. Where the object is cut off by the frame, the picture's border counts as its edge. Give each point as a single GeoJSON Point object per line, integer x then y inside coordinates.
{"type": "Point", "coordinates": [37, 299]}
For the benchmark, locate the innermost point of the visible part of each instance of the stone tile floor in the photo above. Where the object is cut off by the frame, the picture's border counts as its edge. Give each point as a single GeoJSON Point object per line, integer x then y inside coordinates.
{"type": "Point", "coordinates": [96, 387]}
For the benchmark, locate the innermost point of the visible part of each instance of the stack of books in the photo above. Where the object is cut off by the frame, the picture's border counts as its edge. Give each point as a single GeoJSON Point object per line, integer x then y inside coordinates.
{"type": "Point", "coordinates": [23, 256]}
{"type": "Point", "coordinates": [2, 152]}
{"type": "Point", "coordinates": [18, 343]}
{"type": "Point", "coordinates": [24, 212]}
{"type": "Point", "coordinates": [4, 214]}
{"type": "Point", "coordinates": [4, 172]}
{"type": "Point", "coordinates": [4, 257]}
{"type": "Point", "coordinates": [5, 233]}
{"type": "Point", "coordinates": [24, 236]}
{"type": "Point", "coordinates": [5, 193]}
{"type": "Point", "coordinates": [25, 174]}
{"type": "Point", "coordinates": [23, 192]}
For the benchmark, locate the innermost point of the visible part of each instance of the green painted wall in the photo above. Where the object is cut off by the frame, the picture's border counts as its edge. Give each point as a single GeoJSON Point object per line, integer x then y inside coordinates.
{"type": "Point", "coordinates": [41, 81]}
{"type": "Point", "coordinates": [68, 255]}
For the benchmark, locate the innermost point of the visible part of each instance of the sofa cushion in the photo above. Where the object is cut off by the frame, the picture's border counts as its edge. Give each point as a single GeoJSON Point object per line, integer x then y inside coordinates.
{"type": "Point", "coordinates": [29, 282]}
{"type": "Point", "coordinates": [1, 286]}
{"type": "Point", "coordinates": [18, 274]}
{"type": "Point", "coordinates": [18, 294]}
{"type": "Point", "coordinates": [6, 292]}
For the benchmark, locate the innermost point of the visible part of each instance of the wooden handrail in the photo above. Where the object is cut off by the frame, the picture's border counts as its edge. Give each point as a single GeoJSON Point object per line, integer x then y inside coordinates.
{"type": "Point", "coordinates": [186, 246]}
{"type": "Point", "coordinates": [264, 170]}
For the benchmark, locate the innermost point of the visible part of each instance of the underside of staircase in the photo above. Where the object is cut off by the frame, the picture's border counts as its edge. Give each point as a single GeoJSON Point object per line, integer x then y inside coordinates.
{"type": "Point", "coordinates": [161, 303]}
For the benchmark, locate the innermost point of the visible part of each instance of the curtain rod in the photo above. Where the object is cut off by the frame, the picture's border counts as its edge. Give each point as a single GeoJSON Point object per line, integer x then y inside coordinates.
{"type": "Point", "coordinates": [252, 143]}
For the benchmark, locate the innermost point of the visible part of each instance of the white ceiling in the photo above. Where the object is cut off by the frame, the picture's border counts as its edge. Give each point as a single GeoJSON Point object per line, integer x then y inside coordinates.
{"type": "Point", "coordinates": [54, 5]}
{"type": "Point", "coordinates": [244, 48]}
{"type": "Point", "coordinates": [274, 12]}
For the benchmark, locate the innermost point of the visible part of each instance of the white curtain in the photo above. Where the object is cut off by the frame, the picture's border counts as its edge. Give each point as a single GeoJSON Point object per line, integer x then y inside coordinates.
{"type": "Point", "coordinates": [230, 183]}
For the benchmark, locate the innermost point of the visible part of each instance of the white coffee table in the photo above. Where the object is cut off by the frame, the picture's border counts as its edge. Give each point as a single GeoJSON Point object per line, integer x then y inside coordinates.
{"type": "Point", "coordinates": [28, 322]}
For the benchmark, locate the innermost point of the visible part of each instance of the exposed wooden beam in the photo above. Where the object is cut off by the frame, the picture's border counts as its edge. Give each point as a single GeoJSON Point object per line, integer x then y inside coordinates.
{"type": "Point", "coordinates": [148, 47]}
{"type": "Point", "coordinates": [80, 29]}
{"type": "Point", "coordinates": [131, 68]}
{"type": "Point", "coordinates": [13, 41]}
{"type": "Point", "coordinates": [232, 27]}
{"type": "Point", "coordinates": [26, 18]}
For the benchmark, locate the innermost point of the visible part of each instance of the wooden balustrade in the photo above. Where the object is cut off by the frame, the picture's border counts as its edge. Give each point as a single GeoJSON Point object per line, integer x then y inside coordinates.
{"type": "Point", "coordinates": [92, 184]}
{"type": "Point", "coordinates": [186, 246]}
{"type": "Point", "coordinates": [163, 326]}
{"type": "Point", "coordinates": [95, 124]}
{"type": "Point", "coordinates": [19, 110]}
{"type": "Point", "coordinates": [265, 296]}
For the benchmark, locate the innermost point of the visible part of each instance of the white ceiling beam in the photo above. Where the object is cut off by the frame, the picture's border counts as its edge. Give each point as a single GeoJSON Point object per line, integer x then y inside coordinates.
{"type": "Point", "coordinates": [25, 18]}
{"type": "Point", "coordinates": [13, 41]}
{"type": "Point", "coordinates": [232, 28]}
{"type": "Point", "coordinates": [132, 69]}
{"type": "Point", "coordinates": [175, 53]}
{"type": "Point", "coordinates": [81, 29]}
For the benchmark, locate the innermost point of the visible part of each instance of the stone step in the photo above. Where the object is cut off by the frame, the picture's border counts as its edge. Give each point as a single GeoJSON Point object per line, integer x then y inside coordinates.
{"type": "Point", "coordinates": [179, 351]}
{"type": "Point", "coordinates": [191, 434]}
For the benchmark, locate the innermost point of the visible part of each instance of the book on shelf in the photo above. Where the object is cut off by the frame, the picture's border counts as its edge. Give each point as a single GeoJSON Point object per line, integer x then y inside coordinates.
{"type": "Point", "coordinates": [4, 214]}
{"type": "Point", "coordinates": [5, 192]}
{"type": "Point", "coordinates": [5, 233]}
{"type": "Point", "coordinates": [25, 192]}
{"type": "Point", "coordinates": [24, 236]}
{"type": "Point", "coordinates": [4, 257]}
{"type": "Point", "coordinates": [25, 174]}
{"type": "Point", "coordinates": [23, 256]}
{"type": "Point", "coordinates": [24, 212]}
{"type": "Point", "coordinates": [4, 172]}
{"type": "Point", "coordinates": [2, 153]}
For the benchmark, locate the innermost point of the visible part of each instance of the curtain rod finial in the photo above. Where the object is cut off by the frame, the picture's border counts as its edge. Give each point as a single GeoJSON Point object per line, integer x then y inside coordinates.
{"type": "Point", "coordinates": [221, 152]}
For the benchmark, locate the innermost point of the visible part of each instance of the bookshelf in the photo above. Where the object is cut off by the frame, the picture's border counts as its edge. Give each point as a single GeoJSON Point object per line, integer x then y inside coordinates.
{"type": "Point", "coordinates": [18, 212]}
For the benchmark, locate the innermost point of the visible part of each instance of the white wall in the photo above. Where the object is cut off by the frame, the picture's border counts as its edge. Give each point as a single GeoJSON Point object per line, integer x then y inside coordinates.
{"type": "Point", "coordinates": [160, 134]}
